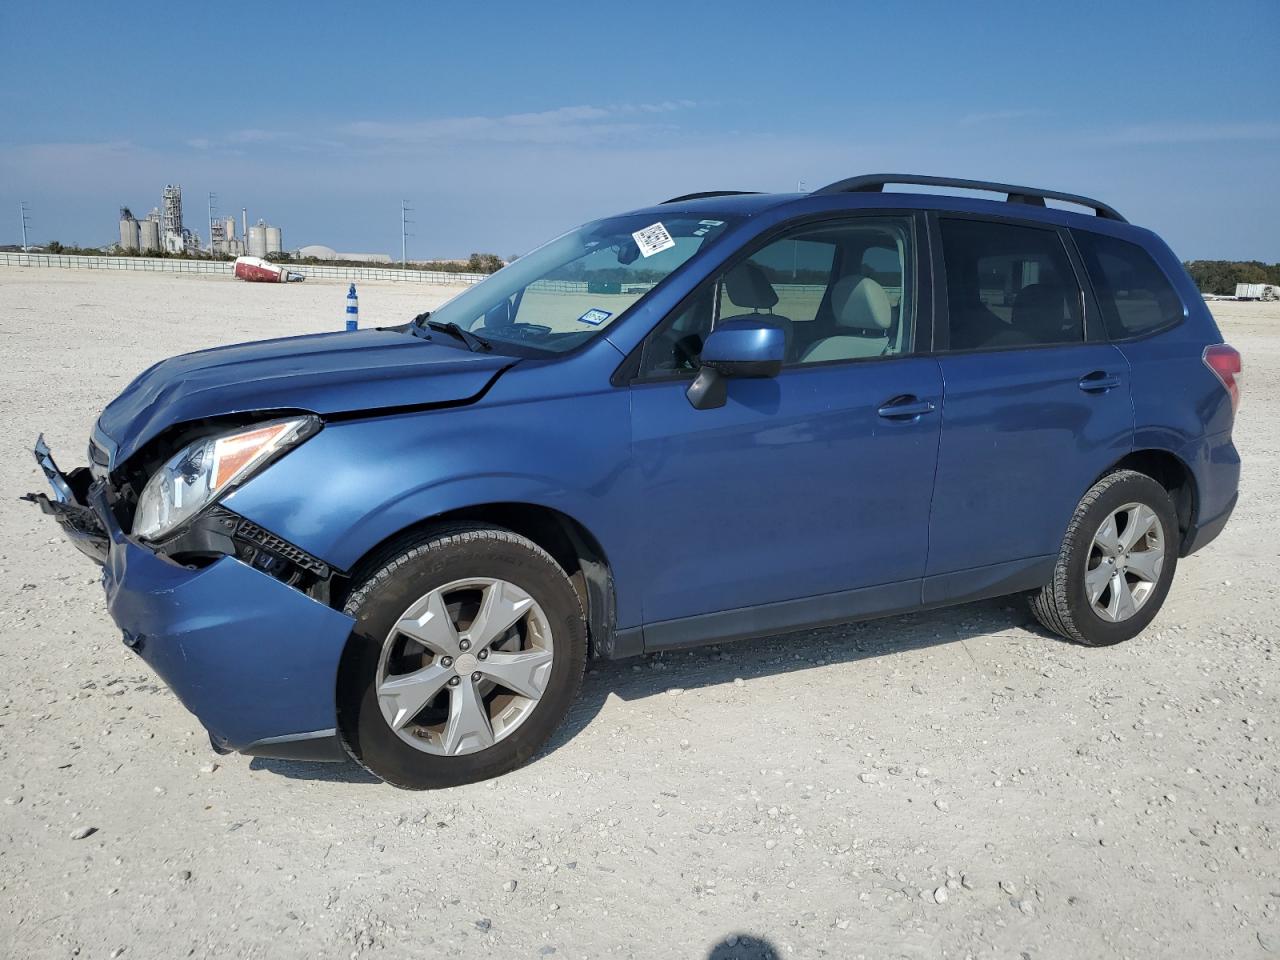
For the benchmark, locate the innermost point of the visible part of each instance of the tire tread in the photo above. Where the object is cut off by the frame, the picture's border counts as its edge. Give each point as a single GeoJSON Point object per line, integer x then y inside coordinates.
{"type": "Point", "coordinates": [424, 544]}
{"type": "Point", "coordinates": [1050, 604]}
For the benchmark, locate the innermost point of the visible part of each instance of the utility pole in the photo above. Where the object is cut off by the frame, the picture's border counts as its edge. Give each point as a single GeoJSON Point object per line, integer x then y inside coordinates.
{"type": "Point", "coordinates": [213, 203]}
{"type": "Point", "coordinates": [23, 212]}
{"type": "Point", "coordinates": [405, 209]}
{"type": "Point", "coordinates": [795, 246]}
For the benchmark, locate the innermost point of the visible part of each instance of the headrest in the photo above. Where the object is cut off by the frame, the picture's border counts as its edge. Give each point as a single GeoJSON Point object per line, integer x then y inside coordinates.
{"type": "Point", "coordinates": [860, 303]}
{"type": "Point", "coordinates": [1041, 296]}
{"type": "Point", "coordinates": [1039, 309]}
{"type": "Point", "coordinates": [747, 286]}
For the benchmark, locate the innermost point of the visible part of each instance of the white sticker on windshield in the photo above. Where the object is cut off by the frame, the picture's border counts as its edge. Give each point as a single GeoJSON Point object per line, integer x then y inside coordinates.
{"type": "Point", "coordinates": [653, 240]}
{"type": "Point", "coordinates": [595, 316]}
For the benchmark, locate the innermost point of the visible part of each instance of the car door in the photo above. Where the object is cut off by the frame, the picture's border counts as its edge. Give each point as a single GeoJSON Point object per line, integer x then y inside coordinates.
{"type": "Point", "coordinates": [1036, 404]}
{"type": "Point", "coordinates": [811, 484]}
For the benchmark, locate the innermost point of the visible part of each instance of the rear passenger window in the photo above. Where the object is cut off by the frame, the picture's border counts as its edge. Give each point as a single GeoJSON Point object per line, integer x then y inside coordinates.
{"type": "Point", "coordinates": [1008, 286]}
{"type": "Point", "coordinates": [1134, 295]}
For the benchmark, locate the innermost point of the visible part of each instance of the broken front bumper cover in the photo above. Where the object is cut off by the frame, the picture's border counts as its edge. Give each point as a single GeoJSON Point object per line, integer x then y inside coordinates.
{"type": "Point", "coordinates": [83, 526]}
{"type": "Point", "coordinates": [254, 659]}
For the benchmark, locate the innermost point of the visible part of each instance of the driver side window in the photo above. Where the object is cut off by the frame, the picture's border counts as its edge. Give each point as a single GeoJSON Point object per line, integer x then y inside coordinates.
{"type": "Point", "coordinates": [839, 290]}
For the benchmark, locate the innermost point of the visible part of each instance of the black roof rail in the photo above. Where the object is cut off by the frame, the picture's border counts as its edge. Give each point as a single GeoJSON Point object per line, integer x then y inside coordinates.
{"type": "Point", "coordinates": [875, 183]}
{"type": "Point", "coordinates": [711, 193]}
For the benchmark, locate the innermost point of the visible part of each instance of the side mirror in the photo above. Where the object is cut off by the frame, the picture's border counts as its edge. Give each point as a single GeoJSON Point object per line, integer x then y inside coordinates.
{"type": "Point", "coordinates": [748, 347]}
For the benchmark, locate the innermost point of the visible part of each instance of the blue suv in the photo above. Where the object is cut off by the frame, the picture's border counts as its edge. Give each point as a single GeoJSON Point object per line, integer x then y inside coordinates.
{"type": "Point", "coordinates": [727, 415]}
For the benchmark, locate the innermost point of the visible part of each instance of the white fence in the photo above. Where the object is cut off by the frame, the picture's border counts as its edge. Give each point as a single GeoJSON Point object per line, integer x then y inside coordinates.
{"type": "Point", "coordinates": [225, 268]}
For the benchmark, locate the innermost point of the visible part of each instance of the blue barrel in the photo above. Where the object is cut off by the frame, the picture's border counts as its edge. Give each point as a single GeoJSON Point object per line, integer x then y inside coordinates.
{"type": "Point", "coordinates": [353, 309]}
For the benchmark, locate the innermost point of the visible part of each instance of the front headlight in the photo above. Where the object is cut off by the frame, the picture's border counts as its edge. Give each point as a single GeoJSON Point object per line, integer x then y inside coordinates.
{"type": "Point", "coordinates": [201, 472]}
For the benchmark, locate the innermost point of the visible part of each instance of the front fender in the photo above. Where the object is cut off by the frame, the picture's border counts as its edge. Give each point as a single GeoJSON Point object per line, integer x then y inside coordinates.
{"type": "Point", "coordinates": [356, 483]}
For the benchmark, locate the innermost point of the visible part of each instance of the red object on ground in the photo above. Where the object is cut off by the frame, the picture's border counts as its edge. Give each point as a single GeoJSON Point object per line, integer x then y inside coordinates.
{"type": "Point", "coordinates": [262, 271]}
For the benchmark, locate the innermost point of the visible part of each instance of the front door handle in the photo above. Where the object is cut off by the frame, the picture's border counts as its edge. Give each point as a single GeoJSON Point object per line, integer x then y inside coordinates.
{"type": "Point", "coordinates": [907, 407]}
{"type": "Point", "coordinates": [1099, 382]}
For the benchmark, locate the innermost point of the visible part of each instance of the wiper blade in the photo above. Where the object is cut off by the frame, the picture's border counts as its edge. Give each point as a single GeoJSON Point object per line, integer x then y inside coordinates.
{"type": "Point", "coordinates": [474, 342]}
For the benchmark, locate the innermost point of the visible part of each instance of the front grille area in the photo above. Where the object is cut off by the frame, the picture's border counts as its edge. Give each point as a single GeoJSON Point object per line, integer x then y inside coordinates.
{"type": "Point", "coordinates": [219, 532]}
{"type": "Point", "coordinates": [254, 534]}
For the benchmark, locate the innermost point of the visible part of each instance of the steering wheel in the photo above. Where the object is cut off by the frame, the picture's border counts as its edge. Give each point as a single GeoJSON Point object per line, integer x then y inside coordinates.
{"type": "Point", "coordinates": [526, 330]}
{"type": "Point", "coordinates": [682, 349]}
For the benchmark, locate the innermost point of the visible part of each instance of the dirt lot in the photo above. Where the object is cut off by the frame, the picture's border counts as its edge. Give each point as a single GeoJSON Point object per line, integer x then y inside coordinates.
{"type": "Point", "coordinates": [947, 784]}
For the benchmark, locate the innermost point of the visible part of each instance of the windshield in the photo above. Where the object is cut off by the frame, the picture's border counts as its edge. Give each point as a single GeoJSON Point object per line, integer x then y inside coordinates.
{"type": "Point", "coordinates": [569, 290]}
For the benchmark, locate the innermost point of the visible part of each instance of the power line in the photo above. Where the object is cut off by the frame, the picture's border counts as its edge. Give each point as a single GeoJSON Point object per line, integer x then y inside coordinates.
{"type": "Point", "coordinates": [405, 209]}
{"type": "Point", "coordinates": [23, 215]}
{"type": "Point", "coordinates": [213, 205]}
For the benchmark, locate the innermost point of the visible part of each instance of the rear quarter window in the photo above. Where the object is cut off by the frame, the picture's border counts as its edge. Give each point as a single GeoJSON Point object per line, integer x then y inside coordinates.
{"type": "Point", "coordinates": [1134, 295]}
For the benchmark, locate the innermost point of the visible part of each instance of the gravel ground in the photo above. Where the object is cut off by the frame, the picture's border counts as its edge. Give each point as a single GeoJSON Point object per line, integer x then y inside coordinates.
{"type": "Point", "coordinates": [949, 784]}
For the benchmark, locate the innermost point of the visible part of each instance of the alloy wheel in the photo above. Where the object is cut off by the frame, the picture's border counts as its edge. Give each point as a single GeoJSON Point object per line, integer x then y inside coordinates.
{"type": "Point", "coordinates": [464, 666]}
{"type": "Point", "coordinates": [1125, 560]}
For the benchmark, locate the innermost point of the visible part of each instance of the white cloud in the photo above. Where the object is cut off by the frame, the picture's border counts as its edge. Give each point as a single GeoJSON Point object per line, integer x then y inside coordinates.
{"type": "Point", "coordinates": [257, 136]}
{"type": "Point", "coordinates": [999, 116]}
{"type": "Point", "coordinates": [1194, 132]}
{"type": "Point", "coordinates": [581, 123]}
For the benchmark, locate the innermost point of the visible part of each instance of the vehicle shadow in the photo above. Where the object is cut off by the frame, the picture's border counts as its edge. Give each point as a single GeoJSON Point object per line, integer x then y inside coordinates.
{"type": "Point", "coordinates": [701, 667]}
{"type": "Point", "coordinates": [690, 670]}
{"type": "Point", "coordinates": [345, 772]}
{"type": "Point", "coordinates": [743, 946]}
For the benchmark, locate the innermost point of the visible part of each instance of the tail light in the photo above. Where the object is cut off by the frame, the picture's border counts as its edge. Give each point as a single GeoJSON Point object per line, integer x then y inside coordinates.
{"type": "Point", "coordinates": [1226, 365]}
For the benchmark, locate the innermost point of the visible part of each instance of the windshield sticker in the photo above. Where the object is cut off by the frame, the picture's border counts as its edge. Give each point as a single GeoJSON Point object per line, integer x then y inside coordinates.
{"type": "Point", "coordinates": [653, 240]}
{"type": "Point", "coordinates": [706, 226]}
{"type": "Point", "coordinates": [595, 316]}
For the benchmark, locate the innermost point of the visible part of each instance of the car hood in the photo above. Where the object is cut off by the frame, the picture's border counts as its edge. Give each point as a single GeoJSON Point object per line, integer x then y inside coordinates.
{"type": "Point", "coordinates": [326, 373]}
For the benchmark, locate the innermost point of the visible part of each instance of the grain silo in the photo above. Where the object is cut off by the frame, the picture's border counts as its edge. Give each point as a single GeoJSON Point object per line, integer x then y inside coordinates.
{"type": "Point", "coordinates": [257, 240]}
{"type": "Point", "coordinates": [275, 240]}
{"type": "Point", "coordinates": [149, 234]}
{"type": "Point", "coordinates": [128, 231]}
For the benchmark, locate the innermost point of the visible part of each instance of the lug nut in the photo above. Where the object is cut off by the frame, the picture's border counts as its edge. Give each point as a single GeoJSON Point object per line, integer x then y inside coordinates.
{"type": "Point", "coordinates": [454, 681]}
{"type": "Point", "coordinates": [476, 676]}
{"type": "Point", "coordinates": [446, 662]}
{"type": "Point", "coordinates": [483, 655]}
{"type": "Point", "coordinates": [465, 644]}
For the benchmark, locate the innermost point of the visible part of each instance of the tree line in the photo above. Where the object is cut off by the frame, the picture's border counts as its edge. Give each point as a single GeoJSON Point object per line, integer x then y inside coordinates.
{"type": "Point", "coordinates": [1221, 276]}
{"type": "Point", "coordinates": [476, 263]}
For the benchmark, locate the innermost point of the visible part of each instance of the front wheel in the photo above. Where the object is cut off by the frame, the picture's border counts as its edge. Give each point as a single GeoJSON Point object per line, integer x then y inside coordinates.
{"type": "Point", "coordinates": [468, 648]}
{"type": "Point", "coordinates": [1116, 564]}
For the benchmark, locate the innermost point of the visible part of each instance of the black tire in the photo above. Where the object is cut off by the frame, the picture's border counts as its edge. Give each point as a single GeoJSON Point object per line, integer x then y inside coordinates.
{"type": "Point", "coordinates": [412, 569]}
{"type": "Point", "coordinates": [1062, 606]}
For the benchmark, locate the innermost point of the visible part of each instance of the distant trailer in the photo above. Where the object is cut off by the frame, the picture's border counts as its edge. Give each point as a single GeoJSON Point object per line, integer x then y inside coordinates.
{"type": "Point", "coordinates": [1257, 291]}
{"type": "Point", "coordinates": [257, 270]}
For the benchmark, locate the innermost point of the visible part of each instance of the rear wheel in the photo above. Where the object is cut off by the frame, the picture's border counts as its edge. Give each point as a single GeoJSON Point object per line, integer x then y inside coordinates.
{"type": "Point", "coordinates": [1116, 564]}
{"type": "Point", "coordinates": [469, 647]}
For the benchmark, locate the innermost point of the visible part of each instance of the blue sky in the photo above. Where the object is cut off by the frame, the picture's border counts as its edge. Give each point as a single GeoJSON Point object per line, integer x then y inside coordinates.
{"type": "Point", "coordinates": [504, 123]}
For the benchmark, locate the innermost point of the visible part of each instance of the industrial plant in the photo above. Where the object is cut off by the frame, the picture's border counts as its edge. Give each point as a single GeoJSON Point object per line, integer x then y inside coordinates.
{"type": "Point", "coordinates": [163, 231]}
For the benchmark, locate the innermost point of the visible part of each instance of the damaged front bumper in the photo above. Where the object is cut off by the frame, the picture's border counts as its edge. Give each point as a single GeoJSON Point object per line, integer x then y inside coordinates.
{"type": "Point", "coordinates": [82, 525]}
{"type": "Point", "coordinates": [253, 658]}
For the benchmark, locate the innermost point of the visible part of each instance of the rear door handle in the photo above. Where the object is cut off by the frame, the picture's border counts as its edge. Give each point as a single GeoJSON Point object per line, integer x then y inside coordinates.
{"type": "Point", "coordinates": [906, 407]}
{"type": "Point", "coordinates": [1099, 382]}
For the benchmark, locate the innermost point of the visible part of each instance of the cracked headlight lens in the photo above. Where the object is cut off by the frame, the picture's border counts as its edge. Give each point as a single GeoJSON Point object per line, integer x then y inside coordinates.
{"type": "Point", "coordinates": [201, 472]}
